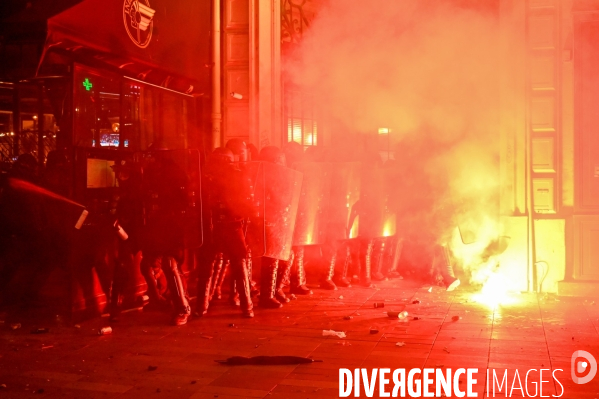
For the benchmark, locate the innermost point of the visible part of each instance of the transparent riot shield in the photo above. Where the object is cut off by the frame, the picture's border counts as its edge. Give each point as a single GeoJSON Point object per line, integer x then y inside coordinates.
{"type": "Point", "coordinates": [311, 220]}
{"type": "Point", "coordinates": [377, 219]}
{"type": "Point", "coordinates": [172, 186]}
{"type": "Point", "coordinates": [276, 197]}
{"type": "Point", "coordinates": [344, 194]}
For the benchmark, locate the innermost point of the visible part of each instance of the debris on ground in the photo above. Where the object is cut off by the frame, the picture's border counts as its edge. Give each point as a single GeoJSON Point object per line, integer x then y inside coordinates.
{"type": "Point", "coordinates": [206, 336]}
{"type": "Point", "coordinates": [152, 368]}
{"type": "Point", "coordinates": [446, 350]}
{"type": "Point", "coordinates": [15, 326]}
{"type": "Point", "coordinates": [430, 289]}
{"type": "Point", "coordinates": [77, 326]}
{"type": "Point", "coordinates": [292, 297]}
{"type": "Point", "coordinates": [332, 333]}
{"type": "Point", "coordinates": [348, 317]}
{"type": "Point", "coordinates": [379, 305]}
{"type": "Point", "coordinates": [42, 330]}
{"type": "Point", "coordinates": [415, 301]}
{"type": "Point", "coordinates": [47, 346]}
{"type": "Point", "coordinates": [374, 331]}
{"type": "Point", "coordinates": [340, 296]}
{"type": "Point", "coordinates": [400, 344]}
{"type": "Point", "coordinates": [232, 325]}
{"type": "Point", "coordinates": [105, 331]}
{"type": "Point", "coordinates": [456, 318]}
{"type": "Point", "coordinates": [266, 360]}
{"type": "Point", "coordinates": [397, 315]}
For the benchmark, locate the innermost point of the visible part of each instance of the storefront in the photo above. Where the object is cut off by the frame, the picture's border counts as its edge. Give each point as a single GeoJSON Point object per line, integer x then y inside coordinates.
{"type": "Point", "coordinates": [112, 81]}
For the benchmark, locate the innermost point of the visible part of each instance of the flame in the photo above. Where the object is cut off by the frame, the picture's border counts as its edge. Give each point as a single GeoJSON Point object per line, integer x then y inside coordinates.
{"type": "Point", "coordinates": [389, 228]}
{"type": "Point", "coordinates": [495, 291]}
{"type": "Point", "coordinates": [485, 271]}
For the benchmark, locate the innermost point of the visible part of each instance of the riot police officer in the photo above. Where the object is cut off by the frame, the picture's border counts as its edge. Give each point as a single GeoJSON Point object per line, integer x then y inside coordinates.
{"type": "Point", "coordinates": [271, 275]}
{"type": "Point", "coordinates": [163, 233]}
{"type": "Point", "coordinates": [127, 209]}
{"type": "Point", "coordinates": [292, 271]}
{"type": "Point", "coordinates": [212, 265]}
{"type": "Point", "coordinates": [231, 204]}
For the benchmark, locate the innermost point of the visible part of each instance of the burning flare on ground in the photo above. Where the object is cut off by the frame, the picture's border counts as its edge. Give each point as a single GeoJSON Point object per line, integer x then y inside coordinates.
{"type": "Point", "coordinates": [480, 251]}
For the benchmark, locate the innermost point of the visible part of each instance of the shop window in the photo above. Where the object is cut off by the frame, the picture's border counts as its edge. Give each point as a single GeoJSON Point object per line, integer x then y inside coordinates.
{"type": "Point", "coordinates": [122, 112]}
{"type": "Point", "coordinates": [22, 131]}
{"type": "Point", "coordinates": [97, 109]}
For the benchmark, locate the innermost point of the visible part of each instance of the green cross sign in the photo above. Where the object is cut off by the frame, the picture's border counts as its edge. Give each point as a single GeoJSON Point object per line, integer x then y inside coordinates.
{"type": "Point", "coordinates": [87, 84]}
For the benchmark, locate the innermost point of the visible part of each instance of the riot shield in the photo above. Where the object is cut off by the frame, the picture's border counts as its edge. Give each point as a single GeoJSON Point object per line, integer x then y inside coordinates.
{"type": "Point", "coordinates": [311, 220]}
{"type": "Point", "coordinates": [377, 218]}
{"type": "Point", "coordinates": [344, 194]}
{"type": "Point", "coordinates": [172, 187]}
{"type": "Point", "coordinates": [277, 192]}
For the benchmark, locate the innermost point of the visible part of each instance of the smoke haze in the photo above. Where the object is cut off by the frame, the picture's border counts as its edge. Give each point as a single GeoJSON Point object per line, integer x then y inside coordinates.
{"type": "Point", "coordinates": [432, 72]}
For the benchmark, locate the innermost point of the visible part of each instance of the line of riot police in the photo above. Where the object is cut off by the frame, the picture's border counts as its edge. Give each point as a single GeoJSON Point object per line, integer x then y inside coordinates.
{"type": "Point", "coordinates": [234, 212]}
{"type": "Point", "coordinates": [274, 210]}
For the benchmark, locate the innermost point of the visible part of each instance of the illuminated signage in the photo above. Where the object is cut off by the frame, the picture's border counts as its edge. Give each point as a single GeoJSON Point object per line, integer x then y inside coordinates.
{"type": "Point", "coordinates": [138, 19]}
{"type": "Point", "coordinates": [87, 84]}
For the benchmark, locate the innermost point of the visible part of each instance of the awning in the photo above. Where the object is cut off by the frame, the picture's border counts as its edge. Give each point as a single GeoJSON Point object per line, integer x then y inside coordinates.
{"type": "Point", "coordinates": [163, 42]}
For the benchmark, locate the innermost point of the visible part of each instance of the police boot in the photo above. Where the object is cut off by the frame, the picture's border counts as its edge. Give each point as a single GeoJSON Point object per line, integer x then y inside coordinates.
{"type": "Point", "coordinates": [240, 276]}
{"type": "Point", "coordinates": [117, 290]}
{"type": "Point", "coordinates": [268, 282]}
{"type": "Point", "coordinates": [396, 249]}
{"type": "Point", "coordinates": [233, 294]}
{"type": "Point", "coordinates": [378, 251]}
{"type": "Point", "coordinates": [157, 300]}
{"type": "Point", "coordinates": [253, 286]}
{"type": "Point", "coordinates": [177, 289]}
{"type": "Point", "coordinates": [218, 289]}
{"type": "Point", "coordinates": [327, 283]}
{"type": "Point", "coordinates": [283, 273]}
{"type": "Point", "coordinates": [355, 257]}
{"type": "Point", "coordinates": [341, 275]}
{"type": "Point", "coordinates": [365, 278]}
{"type": "Point", "coordinates": [298, 275]}
{"type": "Point", "coordinates": [204, 289]}
{"type": "Point", "coordinates": [217, 270]}
{"type": "Point", "coordinates": [442, 264]}
{"type": "Point", "coordinates": [203, 300]}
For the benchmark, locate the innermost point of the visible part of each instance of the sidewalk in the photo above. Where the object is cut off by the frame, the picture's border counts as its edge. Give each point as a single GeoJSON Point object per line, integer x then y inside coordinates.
{"type": "Point", "coordinates": [536, 332]}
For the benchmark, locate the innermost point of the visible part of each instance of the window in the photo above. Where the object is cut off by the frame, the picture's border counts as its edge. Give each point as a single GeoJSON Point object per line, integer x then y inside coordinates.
{"type": "Point", "coordinates": [21, 128]}
{"type": "Point", "coordinates": [301, 121]}
{"type": "Point", "coordinates": [122, 112]}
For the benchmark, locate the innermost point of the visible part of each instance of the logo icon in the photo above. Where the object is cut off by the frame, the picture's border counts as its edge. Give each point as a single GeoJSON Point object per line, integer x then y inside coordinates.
{"type": "Point", "coordinates": [138, 19]}
{"type": "Point", "coordinates": [580, 367]}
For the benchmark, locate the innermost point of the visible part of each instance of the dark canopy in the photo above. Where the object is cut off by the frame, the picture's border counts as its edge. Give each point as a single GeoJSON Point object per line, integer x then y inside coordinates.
{"type": "Point", "coordinates": [164, 42]}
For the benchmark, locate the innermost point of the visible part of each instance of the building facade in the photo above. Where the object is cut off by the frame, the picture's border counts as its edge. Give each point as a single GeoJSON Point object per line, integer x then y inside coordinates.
{"type": "Point", "coordinates": [549, 163]}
